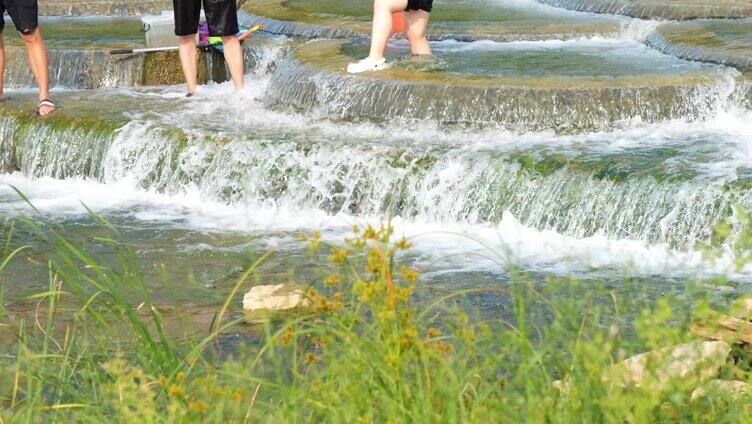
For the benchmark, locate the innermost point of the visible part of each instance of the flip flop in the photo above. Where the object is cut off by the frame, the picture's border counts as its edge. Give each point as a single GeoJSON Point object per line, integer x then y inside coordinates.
{"type": "Point", "coordinates": [45, 102]}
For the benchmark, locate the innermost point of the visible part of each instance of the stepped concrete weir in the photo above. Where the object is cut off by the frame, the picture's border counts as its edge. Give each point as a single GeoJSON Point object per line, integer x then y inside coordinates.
{"type": "Point", "coordinates": [564, 85]}
{"type": "Point", "coordinates": [661, 9]}
{"type": "Point", "coordinates": [727, 42]}
{"type": "Point", "coordinates": [662, 189]}
{"type": "Point", "coordinates": [467, 20]}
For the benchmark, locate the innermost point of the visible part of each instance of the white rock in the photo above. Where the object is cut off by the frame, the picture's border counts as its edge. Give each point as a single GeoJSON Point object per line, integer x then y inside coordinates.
{"type": "Point", "coordinates": [281, 297]}
{"type": "Point", "coordinates": [691, 362]}
{"type": "Point", "coordinates": [735, 389]}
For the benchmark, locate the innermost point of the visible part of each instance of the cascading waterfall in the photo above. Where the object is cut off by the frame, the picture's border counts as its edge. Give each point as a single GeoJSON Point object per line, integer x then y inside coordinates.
{"type": "Point", "coordinates": [521, 152]}
{"type": "Point", "coordinates": [443, 184]}
{"type": "Point", "coordinates": [76, 69]}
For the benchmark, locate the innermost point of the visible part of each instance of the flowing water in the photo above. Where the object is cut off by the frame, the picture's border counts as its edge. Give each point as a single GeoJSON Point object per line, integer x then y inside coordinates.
{"type": "Point", "coordinates": [594, 156]}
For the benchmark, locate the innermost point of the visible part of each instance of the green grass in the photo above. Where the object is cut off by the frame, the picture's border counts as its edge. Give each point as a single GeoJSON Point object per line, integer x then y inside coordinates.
{"type": "Point", "coordinates": [364, 351]}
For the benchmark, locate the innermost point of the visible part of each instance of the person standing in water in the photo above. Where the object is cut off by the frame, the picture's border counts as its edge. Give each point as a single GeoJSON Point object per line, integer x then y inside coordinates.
{"type": "Point", "coordinates": [25, 17]}
{"type": "Point", "coordinates": [417, 14]}
{"type": "Point", "coordinates": [222, 18]}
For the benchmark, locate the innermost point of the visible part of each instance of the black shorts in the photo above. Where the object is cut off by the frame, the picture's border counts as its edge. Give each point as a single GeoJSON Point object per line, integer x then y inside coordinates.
{"type": "Point", "coordinates": [426, 5]}
{"type": "Point", "coordinates": [24, 13]}
{"type": "Point", "coordinates": [221, 15]}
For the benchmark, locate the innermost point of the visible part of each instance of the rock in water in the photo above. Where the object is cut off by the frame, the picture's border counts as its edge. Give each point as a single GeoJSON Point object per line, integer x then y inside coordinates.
{"type": "Point", "coordinates": [261, 301]}
{"type": "Point", "coordinates": [688, 363]}
{"type": "Point", "coordinates": [734, 389]}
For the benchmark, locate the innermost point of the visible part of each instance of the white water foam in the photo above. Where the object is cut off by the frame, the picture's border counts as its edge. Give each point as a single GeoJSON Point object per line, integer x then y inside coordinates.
{"type": "Point", "coordinates": [448, 247]}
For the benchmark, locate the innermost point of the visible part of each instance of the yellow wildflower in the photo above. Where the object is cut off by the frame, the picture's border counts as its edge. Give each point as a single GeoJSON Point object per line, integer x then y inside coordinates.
{"type": "Point", "coordinates": [176, 391]}
{"type": "Point", "coordinates": [339, 256]}
{"type": "Point", "coordinates": [331, 281]}
{"type": "Point", "coordinates": [198, 406]}
{"type": "Point", "coordinates": [403, 244]}
{"type": "Point", "coordinates": [410, 275]}
{"type": "Point", "coordinates": [287, 337]}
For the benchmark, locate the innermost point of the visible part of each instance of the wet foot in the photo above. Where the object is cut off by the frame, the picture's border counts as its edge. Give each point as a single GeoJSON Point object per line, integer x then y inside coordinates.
{"type": "Point", "coordinates": [45, 107]}
{"type": "Point", "coordinates": [367, 65]}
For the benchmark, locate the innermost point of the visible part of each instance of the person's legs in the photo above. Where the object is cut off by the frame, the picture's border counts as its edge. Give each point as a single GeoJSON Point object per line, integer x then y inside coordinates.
{"type": "Point", "coordinates": [382, 25]}
{"type": "Point", "coordinates": [39, 63]}
{"type": "Point", "coordinates": [417, 31]}
{"type": "Point", "coordinates": [25, 16]}
{"type": "Point", "coordinates": [222, 17]}
{"type": "Point", "coordinates": [189, 61]}
{"type": "Point", "coordinates": [234, 59]}
{"type": "Point", "coordinates": [187, 14]}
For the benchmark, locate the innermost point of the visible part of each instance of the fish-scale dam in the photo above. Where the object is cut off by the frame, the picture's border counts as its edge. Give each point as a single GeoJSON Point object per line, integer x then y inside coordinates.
{"type": "Point", "coordinates": [571, 136]}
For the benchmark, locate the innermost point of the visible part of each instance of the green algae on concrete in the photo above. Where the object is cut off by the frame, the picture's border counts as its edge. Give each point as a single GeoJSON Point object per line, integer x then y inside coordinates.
{"type": "Point", "coordinates": [64, 128]}
{"type": "Point", "coordinates": [661, 9]}
{"type": "Point", "coordinates": [727, 42]}
{"type": "Point", "coordinates": [469, 20]}
{"type": "Point", "coordinates": [102, 7]}
{"type": "Point", "coordinates": [519, 85]}
{"type": "Point", "coordinates": [163, 68]}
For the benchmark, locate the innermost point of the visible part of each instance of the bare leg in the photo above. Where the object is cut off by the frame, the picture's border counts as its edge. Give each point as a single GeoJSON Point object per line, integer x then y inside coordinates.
{"type": "Point", "coordinates": [234, 59]}
{"type": "Point", "coordinates": [417, 31]}
{"type": "Point", "coordinates": [39, 65]}
{"type": "Point", "coordinates": [189, 59]}
{"type": "Point", "coordinates": [382, 25]}
{"type": "Point", "coordinates": [2, 66]}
